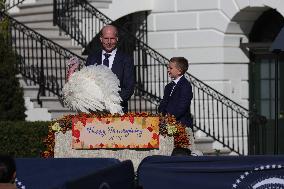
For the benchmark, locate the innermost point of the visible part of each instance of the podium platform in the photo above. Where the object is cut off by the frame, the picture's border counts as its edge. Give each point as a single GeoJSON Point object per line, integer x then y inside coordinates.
{"type": "Point", "coordinates": [203, 172]}
{"type": "Point", "coordinates": [63, 149]}
{"type": "Point", "coordinates": [74, 173]}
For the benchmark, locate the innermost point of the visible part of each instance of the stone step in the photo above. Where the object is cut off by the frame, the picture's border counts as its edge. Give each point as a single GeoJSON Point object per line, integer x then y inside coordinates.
{"type": "Point", "coordinates": [37, 114]}
{"type": "Point", "coordinates": [60, 40]}
{"type": "Point", "coordinates": [214, 152]}
{"type": "Point", "coordinates": [35, 52]}
{"type": "Point", "coordinates": [63, 41]}
{"type": "Point", "coordinates": [57, 113]}
{"type": "Point", "coordinates": [101, 4]}
{"type": "Point", "coordinates": [30, 91]}
{"type": "Point", "coordinates": [52, 80]}
{"type": "Point", "coordinates": [35, 8]}
{"type": "Point", "coordinates": [48, 102]}
{"type": "Point", "coordinates": [50, 61]}
{"type": "Point", "coordinates": [50, 68]}
{"type": "Point", "coordinates": [40, 2]}
{"type": "Point", "coordinates": [44, 0]}
{"type": "Point", "coordinates": [204, 143]}
{"type": "Point", "coordinates": [52, 31]}
{"type": "Point", "coordinates": [74, 49]}
{"type": "Point", "coordinates": [42, 17]}
{"type": "Point", "coordinates": [41, 24]}
{"type": "Point", "coordinates": [106, 1]}
{"type": "Point", "coordinates": [52, 27]}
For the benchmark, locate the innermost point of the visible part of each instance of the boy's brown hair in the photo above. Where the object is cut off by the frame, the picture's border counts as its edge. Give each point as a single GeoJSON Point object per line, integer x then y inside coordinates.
{"type": "Point", "coordinates": [181, 63]}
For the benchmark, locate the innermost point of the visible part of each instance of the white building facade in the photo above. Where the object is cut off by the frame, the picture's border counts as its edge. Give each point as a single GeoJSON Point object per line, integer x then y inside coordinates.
{"type": "Point", "coordinates": [207, 32]}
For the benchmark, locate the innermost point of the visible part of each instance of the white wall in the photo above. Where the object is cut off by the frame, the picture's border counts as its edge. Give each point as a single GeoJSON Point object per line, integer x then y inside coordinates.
{"type": "Point", "coordinates": [120, 8]}
{"type": "Point", "coordinates": [206, 32]}
{"type": "Point", "coordinates": [16, 9]}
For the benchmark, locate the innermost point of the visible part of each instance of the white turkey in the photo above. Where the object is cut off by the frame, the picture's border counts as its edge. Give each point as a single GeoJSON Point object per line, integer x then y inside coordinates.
{"type": "Point", "coordinates": [93, 88]}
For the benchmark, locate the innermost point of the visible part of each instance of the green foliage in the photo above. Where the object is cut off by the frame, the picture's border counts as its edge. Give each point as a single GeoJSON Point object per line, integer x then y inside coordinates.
{"type": "Point", "coordinates": [12, 105]}
{"type": "Point", "coordinates": [4, 28]}
{"type": "Point", "coordinates": [2, 4]}
{"type": "Point", "coordinates": [22, 139]}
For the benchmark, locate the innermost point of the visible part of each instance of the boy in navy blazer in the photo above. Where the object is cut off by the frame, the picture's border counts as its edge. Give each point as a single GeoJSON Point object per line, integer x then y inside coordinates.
{"type": "Point", "coordinates": [177, 94]}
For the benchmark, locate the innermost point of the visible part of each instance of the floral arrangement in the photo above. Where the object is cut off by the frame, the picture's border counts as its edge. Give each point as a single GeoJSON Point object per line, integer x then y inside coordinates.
{"type": "Point", "coordinates": [93, 88]}
{"type": "Point", "coordinates": [167, 124]}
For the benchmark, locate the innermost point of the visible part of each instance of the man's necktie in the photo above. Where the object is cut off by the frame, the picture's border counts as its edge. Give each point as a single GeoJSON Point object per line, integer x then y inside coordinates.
{"type": "Point", "coordinates": [173, 87]}
{"type": "Point", "coordinates": [106, 60]}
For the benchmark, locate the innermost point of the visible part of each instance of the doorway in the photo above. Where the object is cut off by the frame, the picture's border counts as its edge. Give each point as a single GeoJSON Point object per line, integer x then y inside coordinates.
{"type": "Point", "coordinates": [262, 95]}
{"type": "Point", "coordinates": [262, 79]}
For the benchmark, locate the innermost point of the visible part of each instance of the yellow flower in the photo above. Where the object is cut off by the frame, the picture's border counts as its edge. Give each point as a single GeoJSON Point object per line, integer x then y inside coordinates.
{"type": "Point", "coordinates": [56, 127]}
{"type": "Point", "coordinates": [171, 129]}
{"type": "Point", "coordinates": [154, 143]}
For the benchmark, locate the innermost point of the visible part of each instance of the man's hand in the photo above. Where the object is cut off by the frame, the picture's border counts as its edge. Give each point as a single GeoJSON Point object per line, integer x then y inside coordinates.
{"type": "Point", "coordinates": [71, 70]}
{"type": "Point", "coordinates": [73, 64]}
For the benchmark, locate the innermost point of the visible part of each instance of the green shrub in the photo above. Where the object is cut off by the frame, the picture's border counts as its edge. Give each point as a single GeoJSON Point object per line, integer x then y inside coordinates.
{"type": "Point", "coordinates": [12, 104]}
{"type": "Point", "coordinates": [22, 139]}
{"type": "Point", "coordinates": [2, 4]}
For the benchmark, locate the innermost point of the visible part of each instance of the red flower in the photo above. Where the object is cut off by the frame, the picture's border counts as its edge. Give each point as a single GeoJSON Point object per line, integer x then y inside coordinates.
{"type": "Point", "coordinates": [83, 120]}
{"type": "Point", "coordinates": [155, 136]}
{"type": "Point", "coordinates": [150, 129]}
{"type": "Point", "coordinates": [122, 118]}
{"type": "Point", "coordinates": [76, 133]}
{"type": "Point", "coordinates": [131, 119]}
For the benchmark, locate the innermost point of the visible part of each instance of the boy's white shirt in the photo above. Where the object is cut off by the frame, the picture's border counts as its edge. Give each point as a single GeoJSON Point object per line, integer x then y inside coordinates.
{"type": "Point", "coordinates": [177, 79]}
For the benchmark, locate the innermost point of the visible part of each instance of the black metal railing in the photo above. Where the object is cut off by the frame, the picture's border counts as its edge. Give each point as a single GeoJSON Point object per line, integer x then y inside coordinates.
{"type": "Point", "coordinates": [9, 4]}
{"type": "Point", "coordinates": [41, 61]}
{"type": "Point", "coordinates": [223, 119]}
{"type": "Point", "coordinates": [80, 20]}
{"type": "Point", "coordinates": [75, 21]}
{"type": "Point", "coordinates": [214, 114]}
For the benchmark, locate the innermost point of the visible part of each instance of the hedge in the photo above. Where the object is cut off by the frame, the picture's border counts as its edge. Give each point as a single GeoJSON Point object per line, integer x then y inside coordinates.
{"type": "Point", "coordinates": [22, 139]}
{"type": "Point", "coordinates": [12, 104]}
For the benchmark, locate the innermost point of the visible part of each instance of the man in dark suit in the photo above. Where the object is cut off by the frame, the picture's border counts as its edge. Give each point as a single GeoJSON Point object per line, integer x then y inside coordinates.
{"type": "Point", "coordinates": [121, 64]}
{"type": "Point", "coordinates": [178, 94]}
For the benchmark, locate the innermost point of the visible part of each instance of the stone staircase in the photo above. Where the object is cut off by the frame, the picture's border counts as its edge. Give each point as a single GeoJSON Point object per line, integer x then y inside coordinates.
{"type": "Point", "coordinates": [208, 146]}
{"type": "Point", "coordinates": [39, 17]}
